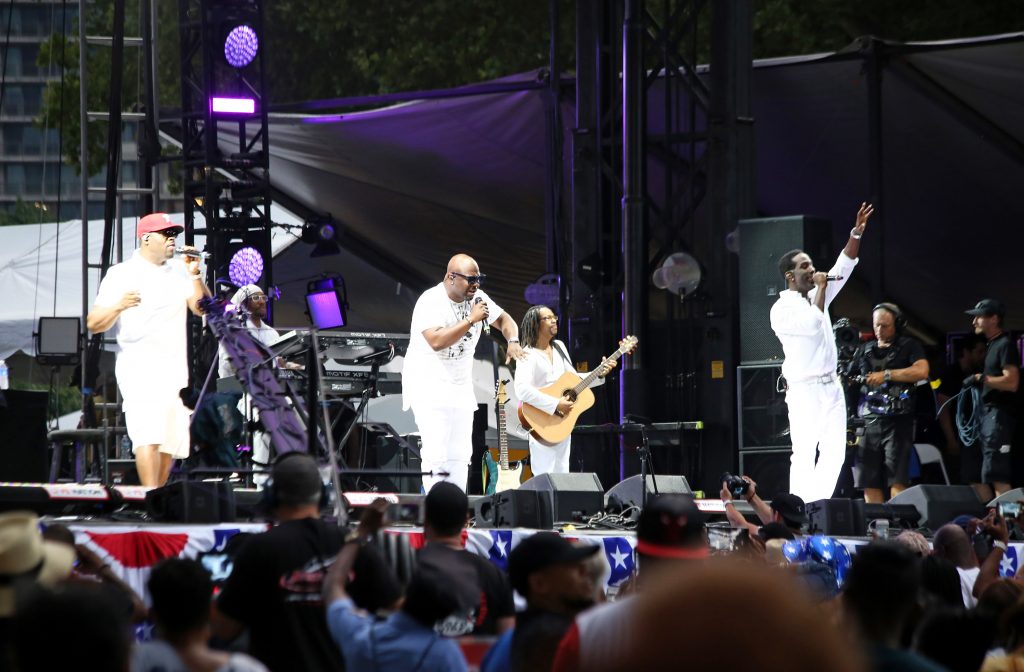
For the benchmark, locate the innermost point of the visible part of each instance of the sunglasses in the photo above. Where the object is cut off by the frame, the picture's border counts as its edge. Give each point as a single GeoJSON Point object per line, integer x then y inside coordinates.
{"type": "Point", "coordinates": [471, 279]}
{"type": "Point", "coordinates": [169, 234]}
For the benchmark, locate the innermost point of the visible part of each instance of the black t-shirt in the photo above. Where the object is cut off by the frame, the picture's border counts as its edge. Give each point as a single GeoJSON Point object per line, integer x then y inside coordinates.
{"type": "Point", "coordinates": [496, 599]}
{"type": "Point", "coordinates": [1001, 353]}
{"type": "Point", "coordinates": [903, 352]}
{"type": "Point", "coordinates": [275, 590]}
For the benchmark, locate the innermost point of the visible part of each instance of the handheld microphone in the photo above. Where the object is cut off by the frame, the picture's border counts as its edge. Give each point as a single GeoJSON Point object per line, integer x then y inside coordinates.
{"type": "Point", "coordinates": [191, 253]}
{"type": "Point", "coordinates": [477, 300]}
{"type": "Point", "coordinates": [833, 278]}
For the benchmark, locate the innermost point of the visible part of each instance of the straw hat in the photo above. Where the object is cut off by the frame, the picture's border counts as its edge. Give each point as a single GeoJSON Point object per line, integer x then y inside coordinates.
{"type": "Point", "coordinates": [24, 556]}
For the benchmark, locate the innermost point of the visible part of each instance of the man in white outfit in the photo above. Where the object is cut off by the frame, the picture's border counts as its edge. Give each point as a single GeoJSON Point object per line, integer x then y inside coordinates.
{"type": "Point", "coordinates": [817, 405]}
{"type": "Point", "coordinates": [253, 300]}
{"type": "Point", "coordinates": [437, 381]}
{"type": "Point", "coordinates": [545, 362]}
{"type": "Point", "coordinates": [149, 296]}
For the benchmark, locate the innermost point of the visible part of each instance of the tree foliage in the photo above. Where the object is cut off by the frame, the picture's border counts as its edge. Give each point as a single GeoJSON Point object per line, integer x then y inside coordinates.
{"type": "Point", "coordinates": [320, 49]}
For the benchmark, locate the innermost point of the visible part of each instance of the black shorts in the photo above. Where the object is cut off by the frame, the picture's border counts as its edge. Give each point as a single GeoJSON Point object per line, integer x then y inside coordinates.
{"type": "Point", "coordinates": [883, 452]}
{"type": "Point", "coordinates": [996, 436]}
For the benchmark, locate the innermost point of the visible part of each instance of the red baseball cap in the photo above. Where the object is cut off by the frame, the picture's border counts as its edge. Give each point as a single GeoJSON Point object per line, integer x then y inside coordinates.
{"type": "Point", "coordinates": [158, 221]}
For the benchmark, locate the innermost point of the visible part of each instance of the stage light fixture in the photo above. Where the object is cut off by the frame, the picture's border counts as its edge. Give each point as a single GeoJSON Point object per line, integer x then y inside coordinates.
{"type": "Point", "coordinates": [241, 46]}
{"type": "Point", "coordinates": [59, 340]}
{"type": "Point", "coordinates": [322, 233]}
{"type": "Point", "coordinates": [680, 274]}
{"type": "Point", "coordinates": [245, 267]}
{"type": "Point", "coordinates": [327, 302]}
{"type": "Point", "coordinates": [225, 105]}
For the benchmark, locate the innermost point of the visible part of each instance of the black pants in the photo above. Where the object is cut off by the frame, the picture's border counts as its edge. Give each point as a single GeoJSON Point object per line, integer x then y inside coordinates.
{"type": "Point", "coordinates": [883, 453]}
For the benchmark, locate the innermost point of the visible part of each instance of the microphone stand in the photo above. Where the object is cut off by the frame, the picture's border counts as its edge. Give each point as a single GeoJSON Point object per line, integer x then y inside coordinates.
{"type": "Point", "coordinates": [646, 464]}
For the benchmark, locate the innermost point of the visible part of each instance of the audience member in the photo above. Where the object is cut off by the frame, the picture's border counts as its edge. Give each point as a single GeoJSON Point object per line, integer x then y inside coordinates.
{"type": "Point", "coordinates": [993, 605]}
{"type": "Point", "coordinates": [671, 531]}
{"type": "Point", "coordinates": [406, 640]}
{"type": "Point", "coordinates": [879, 595]}
{"type": "Point", "coordinates": [952, 543]}
{"type": "Point", "coordinates": [785, 508]}
{"type": "Point", "coordinates": [914, 542]}
{"type": "Point", "coordinates": [275, 587]}
{"type": "Point", "coordinates": [1013, 659]}
{"type": "Point", "coordinates": [728, 616]}
{"type": "Point", "coordinates": [26, 559]}
{"type": "Point", "coordinates": [956, 640]}
{"type": "Point", "coordinates": [69, 627]}
{"type": "Point", "coordinates": [940, 584]}
{"type": "Point", "coordinates": [445, 513]}
{"type": "Point", "coordinates": [552, 574]}
{"type": "Point", "coordinates": [181, 591]}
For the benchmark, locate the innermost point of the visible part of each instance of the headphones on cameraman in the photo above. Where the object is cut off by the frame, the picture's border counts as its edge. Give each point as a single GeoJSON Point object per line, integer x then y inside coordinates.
{"type": "Point", "coordinates": [271, 498]}
{"type": "Point", "coordinates": [899, 319]}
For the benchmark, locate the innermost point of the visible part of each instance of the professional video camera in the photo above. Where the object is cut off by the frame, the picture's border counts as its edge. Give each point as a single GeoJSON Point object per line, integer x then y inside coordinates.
{"type": "Point", "coordinates": [847, 345]}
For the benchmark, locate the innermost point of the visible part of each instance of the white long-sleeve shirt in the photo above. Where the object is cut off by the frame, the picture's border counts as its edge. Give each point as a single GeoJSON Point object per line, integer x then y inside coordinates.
{"type": "Point", "coordinates": [805, 332]}
{"type": "Point", "coordinates": [537, 371]}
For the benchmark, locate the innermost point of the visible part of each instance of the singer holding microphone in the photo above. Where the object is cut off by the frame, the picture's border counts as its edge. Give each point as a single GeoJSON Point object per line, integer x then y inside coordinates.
{"type": "Point", "coordinates": [437, 380]}
{"type": "Point", "coordinates": [814, 396]}
{"type": "Point", "coordinates": [147, 296]}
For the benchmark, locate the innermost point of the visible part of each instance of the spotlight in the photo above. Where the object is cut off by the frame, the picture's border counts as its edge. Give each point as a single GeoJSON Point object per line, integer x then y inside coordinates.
{"type": "Point", "coordinates": [245, 267]}
{"type": "Point", "coordinates": [327, 302]}
{"type": "Point", "coordinates": [240, 46]}
{"type": "Point", "coordinates": [680, 274]}
{"type": "Point", "coordinates": [233, 105]}
{"type": "Point", "coordinates": [323, 235]}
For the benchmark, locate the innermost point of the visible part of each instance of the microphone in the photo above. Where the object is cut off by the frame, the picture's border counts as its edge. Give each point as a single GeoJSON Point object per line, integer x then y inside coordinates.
{"type": "Point", "coordinates": [477, 300]}
{"type": "Point", "coordinates": [833, 278]}
{"type": "Point", "coordinates": [191, 253]}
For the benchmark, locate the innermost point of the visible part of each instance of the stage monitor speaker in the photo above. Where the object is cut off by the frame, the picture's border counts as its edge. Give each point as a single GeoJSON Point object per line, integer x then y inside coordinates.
{"type": "Point", "coordinates": [900, 516]}
{"type": "Point", "coordinates": [123, 472]}
{"type": "Point", "coordinates": [834, 517]}
{"type": "Point", "coordinates": [573, 497]}
{"type": "Point", "coordinates": [23, 428]}
{"type": "Point", "coordinates": [628, 492]}
{"type": "Point", "coordinates": [1015, 495]}
{"type": "Point", "coordinates": [392, 452]}
{"type": "Point", "coordinates": [192, 502]}
{"type": "Point", "coordinates": [514, 508]}
{"type": "Point", "coordinates": [940, 504]}
{"type": "Point", "coordinates": [762, 242]}
{"type": "Point", "coordinates": [768, 468]}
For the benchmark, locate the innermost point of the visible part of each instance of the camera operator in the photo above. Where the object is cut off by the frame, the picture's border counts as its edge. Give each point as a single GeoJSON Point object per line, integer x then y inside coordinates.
{"type": "Point", "coordinates": [889, 367]}
{"type": "Point", "coordinates": [785, 508]}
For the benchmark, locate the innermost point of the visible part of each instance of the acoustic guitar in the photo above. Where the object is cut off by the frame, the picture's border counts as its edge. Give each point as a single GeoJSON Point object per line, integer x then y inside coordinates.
{"type": "Point", "coordinates": [501, 476]}
{"type": "Point", "coordinates": [555, 428]}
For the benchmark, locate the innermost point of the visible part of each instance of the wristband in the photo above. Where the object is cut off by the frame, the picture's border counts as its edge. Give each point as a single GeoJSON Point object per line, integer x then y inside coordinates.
{"type": "Point", "coordinates": [513, 340]}
{"type": "Point", "coordinates": [197, 276]}
{"type": "Point", "coordinates": [999, 544]}
{"type": "Point", "coordinates": [854, 234]}
{"type": "Point", "coordinates": [887, 375]}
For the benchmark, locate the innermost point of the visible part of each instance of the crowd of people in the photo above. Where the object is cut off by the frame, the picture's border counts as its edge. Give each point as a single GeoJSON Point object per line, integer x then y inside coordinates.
{"type": "Point", "coordinates": [307, 595]}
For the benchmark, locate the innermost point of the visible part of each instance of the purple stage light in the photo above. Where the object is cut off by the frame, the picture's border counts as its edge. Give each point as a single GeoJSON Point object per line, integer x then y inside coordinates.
{"type": "Point", "coordinates": [233, 105]}
{"type": "Point", "coordinates": [246, 267]}
{"type": "Point", "coordinates": [325, 309]}
{"type": "Point", "coordinates": [240, 46]}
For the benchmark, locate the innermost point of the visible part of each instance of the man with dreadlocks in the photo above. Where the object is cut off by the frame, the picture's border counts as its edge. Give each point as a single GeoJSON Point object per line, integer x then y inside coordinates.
{"type": "Point", "coordinates": [545, 361]}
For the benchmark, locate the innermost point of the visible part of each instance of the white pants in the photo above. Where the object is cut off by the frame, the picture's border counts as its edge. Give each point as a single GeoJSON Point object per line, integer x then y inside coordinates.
{"type": "Point", "coordinates": [817, 420]}
{"type": "Point", "coordinates": [446, 436]}
{"type": "Point", "coordinates": [546, 458]}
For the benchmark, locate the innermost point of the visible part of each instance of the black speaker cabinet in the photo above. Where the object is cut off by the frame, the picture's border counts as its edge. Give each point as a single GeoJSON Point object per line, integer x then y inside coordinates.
{"type": "Point", "coordinates": [192, 502]}
{"type": "Point", "coordinates": [394, 453]}
{"type": "Point", "coordinates": [573, 497]}
{"type": "Point", "coordinates": [940, 504]}
{"type": "Point", "coordinates": [768, 468]}
{"type": "Point", "coordinates": [23, 428]}
{"type": "Point", "coordinates": [762, 243]}
{"type": "Point", "coordinates": [629, 492]}
{"type": "Point", "coordinates": [761, 411]}
{"type": "Point", "coordinates": [834, 517]}
{"type": "Point", "coordinates": [514, 508]}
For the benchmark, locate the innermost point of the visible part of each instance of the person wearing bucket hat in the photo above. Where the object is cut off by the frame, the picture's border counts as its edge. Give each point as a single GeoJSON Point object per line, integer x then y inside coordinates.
{"type": "Point", "coordinates": [26, 558]}
{"type": "Point", "coordinates": [987, 461]}
{"type": "Point", "coordinates": [148, 297]}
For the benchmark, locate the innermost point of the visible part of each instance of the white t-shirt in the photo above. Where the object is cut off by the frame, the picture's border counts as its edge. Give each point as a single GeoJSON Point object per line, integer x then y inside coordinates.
{"type": "Point", "coordinates": [805, 332]}
{"type": "Point", "coordinates": [442, 379]}
{"type": "Point", "coordinates": [152, 335]}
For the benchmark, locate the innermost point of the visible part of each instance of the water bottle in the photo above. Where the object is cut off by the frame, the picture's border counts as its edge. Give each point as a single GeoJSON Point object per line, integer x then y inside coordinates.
{"type": "Point", "coordinates": [4, 378]}
{"type": "Point", "coordinates": [126, 448]}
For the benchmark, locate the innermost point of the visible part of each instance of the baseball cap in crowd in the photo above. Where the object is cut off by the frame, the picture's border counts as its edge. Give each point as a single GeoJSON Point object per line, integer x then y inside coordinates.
{"type": "Point", "coordinates": [158, 221]}
{"type": "Point", "coordinates": [774, 530]}
{"type": "Point", "coordinates": [671, 526]}
{"type": "Point", "coordinates": [988, 307]}
{"type": "Point", "coordinates": [541, 551]}
{"type": "Point", "coordinates": [790, 507]}
{"type": "Point", "coordinates": [26, 557]}
{"type": "Point", "coordinates": [244, 293]}
{"type": "Point", "coordinates": [294, 480]}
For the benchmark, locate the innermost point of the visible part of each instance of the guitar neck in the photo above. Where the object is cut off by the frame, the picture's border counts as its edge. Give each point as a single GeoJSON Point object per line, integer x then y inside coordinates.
{"type": "Point", "coordinates": [502, 439]}
{"type": "Point", "coordinates": [592, 376]}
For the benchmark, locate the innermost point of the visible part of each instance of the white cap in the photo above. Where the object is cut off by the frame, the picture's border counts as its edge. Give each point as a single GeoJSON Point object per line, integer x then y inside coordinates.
{"type": "Point", "coordinates": [244, 293]}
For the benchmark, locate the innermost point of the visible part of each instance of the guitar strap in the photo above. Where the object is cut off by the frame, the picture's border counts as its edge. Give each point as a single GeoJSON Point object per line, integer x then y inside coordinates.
{"type": "Point", "coordinates": [558, 346]}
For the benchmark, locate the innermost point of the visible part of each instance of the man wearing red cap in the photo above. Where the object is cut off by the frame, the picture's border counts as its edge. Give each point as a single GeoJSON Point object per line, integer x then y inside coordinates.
{"type": "Point", "coordinates": [147, 296]}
